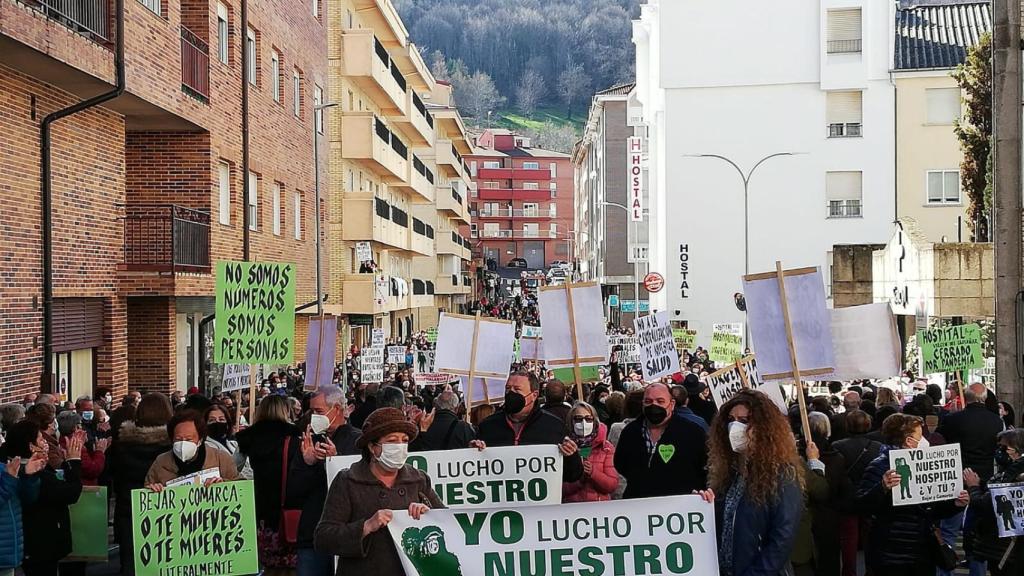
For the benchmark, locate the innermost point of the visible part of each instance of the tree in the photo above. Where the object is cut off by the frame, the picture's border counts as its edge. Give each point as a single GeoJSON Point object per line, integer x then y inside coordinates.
{"type": "Point", "coordinates": [573, 83]}
{"type": "Point", "coordinates": [551, 136]}
{"type": "Point", "coordinates": [438, 66]}
{"type": "Point", "coordinates": [974, 130]}
{"type": "Point", "coordinates": [476, 93]}
{"type": "Point", "coordinates": [531, 90]}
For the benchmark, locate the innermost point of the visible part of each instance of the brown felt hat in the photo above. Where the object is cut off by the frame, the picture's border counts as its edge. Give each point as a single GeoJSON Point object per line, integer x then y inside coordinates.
{"type": "Point", "coordinates": [384, 421]}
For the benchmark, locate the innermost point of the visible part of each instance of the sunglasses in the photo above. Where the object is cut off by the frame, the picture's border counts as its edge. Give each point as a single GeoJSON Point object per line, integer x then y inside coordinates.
{"type": "Point", "coordinates": [582, 418]}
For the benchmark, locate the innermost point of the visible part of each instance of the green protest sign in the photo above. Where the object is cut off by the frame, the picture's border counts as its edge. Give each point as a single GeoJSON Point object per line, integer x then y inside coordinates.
{"type": "Point", "coordinates": [255, 322]}
{"type": "Point", "coordinates": [192, 530]}
{"type": "Point", "coordinates": [432, 335]}
{"type": "Point", "coordinates": [726, 343]}
{"type": "Point", "coordinates": [587, 374]}
{"type": "Point", "coordinates": [685, 338]}
{"type": "Point", "coordinates": [950, 348]}
{"type": "Point", "coordinates": [670, 535]}
{"type": "Point", "coordinates": [88, 543]}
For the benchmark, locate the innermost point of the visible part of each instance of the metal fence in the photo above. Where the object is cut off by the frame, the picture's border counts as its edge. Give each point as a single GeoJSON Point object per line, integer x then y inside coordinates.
{"type": "Point", "coordinates": [195, 64]}
{"type": "Point", "coordinates": [166, 237]}
{"type": "Point", "coordinates": [87, 17]}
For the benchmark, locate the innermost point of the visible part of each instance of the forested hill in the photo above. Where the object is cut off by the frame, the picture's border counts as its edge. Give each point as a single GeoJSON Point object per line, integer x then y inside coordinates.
{"type": "Point", "coordinates": [539, 53]}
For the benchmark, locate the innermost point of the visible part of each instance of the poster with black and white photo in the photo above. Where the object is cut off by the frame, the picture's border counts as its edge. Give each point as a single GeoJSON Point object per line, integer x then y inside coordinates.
{"type": "Point", "coordinates": [658, 356]}
{"type": "Point", "coordinates": [927, 475]}
{"type": "Point", "coordinates": [1008, 504]}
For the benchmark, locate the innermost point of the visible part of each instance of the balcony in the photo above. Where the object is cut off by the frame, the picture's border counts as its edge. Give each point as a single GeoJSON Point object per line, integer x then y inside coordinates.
{"type": "Point", "coordinates": [494, 173]}
{"type": "Point", "coordinates": [450, 242]}
{"type": "Point", "coordinates": [450, 284]}
{"type": "Point", "coordinates": [419, 242]}
{"type": "Point", "coordinates": [366, 62]}
{"type": "Point", "coordinates": [419, 297]}
{"type": "Point", "coordinates": [845, 209]}
{"type": "Point", "coordinates": [195, 65]}
{"type": "Point", "coordinates": [486, 234]}
{"type": "Point", "coordinates": [366, 138]}
{"type": "Point", "coordinates": [368, 218]}
{"type": "Point", "coordinates": [416, 121]}
{"type": "Point", "coordinates": [531, 174]}
{"type": "Point", "coordinates": [513, 194]}
{"type": "Point", "coordinates": [518, 213]}
{"type": "Point", "coordinates": [421, 181]}
{"type": "Point", "coordinates": [847, 130]}
{"type": "Point", "coordinates": [446, 156]}
{"type": "Point", "coordinates": [166, 238]}
{"type": "Point", "coordinates": [450, 201]}
{"type": "Point", "coordinates": [369, 294]}
{"type": "Point", "coordinates": [90, 18]}
{"type": "Point", "coordinates": [844, 46]}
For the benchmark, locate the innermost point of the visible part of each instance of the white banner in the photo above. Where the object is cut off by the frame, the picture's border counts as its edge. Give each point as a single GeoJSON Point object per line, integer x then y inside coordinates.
{"type": "Point", "coordinates": [471, 478]}
{"type": "Point", "coordinates": [671, 535]}
{"type": "Point", "coordinates": [396, 354]}
{"type": "Point", "coordinates": [630, 352]}
{"type": "Point", "coordinates": [363, 252]}
{"type": "Point", "coordinates": [236, 377]}
{"type": "Point", "coordinates": [927, 474]}
{"type": "Point", "coordinates": [658, 355]}
{"type": "Point", "coordinates": [371, 364]}
{"type": "Point", "coordinates": [377, 338]}
{"type": "Point", "coordinates": [1008, 504]}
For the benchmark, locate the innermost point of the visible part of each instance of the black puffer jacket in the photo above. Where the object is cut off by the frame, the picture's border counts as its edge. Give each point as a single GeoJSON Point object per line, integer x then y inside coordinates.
{"type": "Point", "coordinates": [899, 534]}
{"type": "Point", "coordinates": [47, 521]}
{"type": "Point", "coordinates": [128, 461]}
{"type": "Point", "coordinates": [540, 428]}
{"type": "Point", "coordinates": [985, 541]}
{"type": "Point", "coordinates": [263, 444]}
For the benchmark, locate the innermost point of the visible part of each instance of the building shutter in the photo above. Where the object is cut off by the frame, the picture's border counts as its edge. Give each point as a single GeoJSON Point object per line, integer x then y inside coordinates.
{"type": "Point", "coordinates": [842, 186]}
{"type": "Point", "coordinates": [843, 107]}
{"type": "Point", "coordinates": [844, 25]}
{"type": "Point", "coordinates": [77, 323]}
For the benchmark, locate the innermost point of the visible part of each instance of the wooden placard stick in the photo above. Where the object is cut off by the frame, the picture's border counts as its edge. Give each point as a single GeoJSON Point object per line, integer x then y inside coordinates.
{"type": "Point", "coordinates": [238, 408]}
{"type": "Point", "coordinates": [252, 394]}
{"type": "Point", "coordinates": [960, 388]}
{"type": "Point", "coordinates": [805, 423]}
{"type": "Point", "coordinates": [743, 374]}
{"type": "Point", "coordinates": [472, 364]}
{"type": "Point", "coordinates": [577, 376]}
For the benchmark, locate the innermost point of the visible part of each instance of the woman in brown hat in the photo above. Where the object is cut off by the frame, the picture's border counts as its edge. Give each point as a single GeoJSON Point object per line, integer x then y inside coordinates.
{"type": "Point", "coordinates": [360, 500]}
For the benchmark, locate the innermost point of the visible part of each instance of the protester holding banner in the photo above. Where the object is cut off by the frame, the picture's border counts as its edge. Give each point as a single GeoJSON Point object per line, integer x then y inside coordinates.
{"type": "Point", "coordinates": [984, 539]}
{"type": "Point", "coordinates": [600, 479]}
{"type": "Point", "coordinates": [661, 454]}
{"type": "Point", "coordinates": [903, 539]}
{"type": "Point", "coordinates": [361, 499]}
{"type": "Point", "coordinates": [330, 434]}
{"type": "Point", "coordinates": [758, 478]}
{"type": "Point", "coordinates": [19, 488]}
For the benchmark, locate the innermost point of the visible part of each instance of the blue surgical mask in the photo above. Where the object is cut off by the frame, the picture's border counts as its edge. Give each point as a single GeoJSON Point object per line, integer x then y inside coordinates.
{"type": "Point", "coordinates": [87, 415]}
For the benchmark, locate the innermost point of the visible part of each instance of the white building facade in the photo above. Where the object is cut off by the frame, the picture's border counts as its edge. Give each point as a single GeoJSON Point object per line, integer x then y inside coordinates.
{"type": "Point", "coordinates": [748, 80]}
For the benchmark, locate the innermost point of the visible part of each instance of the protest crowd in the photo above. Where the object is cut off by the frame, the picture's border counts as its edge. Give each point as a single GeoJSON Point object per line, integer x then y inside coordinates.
{"type": "Point", "coordinates": [784, 502]}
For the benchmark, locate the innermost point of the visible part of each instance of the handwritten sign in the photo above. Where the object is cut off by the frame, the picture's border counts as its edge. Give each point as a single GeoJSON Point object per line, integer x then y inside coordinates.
{"type": "Point", "coordinates": [195, 530]}
{"type": "Point", "coordinates": [255, 313]}
{"type": "Point", "coordinates": [951, 348]}
{"type": "Point", "coordinates": [658, 356]}
{"type": "Point", "coordinates": [725, 383]}
{"type": "Point", "coordinates": [236, 377]}
{"type": "Point", "coordinates": [726, 343]}
{"type": "Point", "coordinates": [685, 338]}
{"type": "Point", "coordinates": [926, 474]}
{"type": "Point", "coordinates": [363, 252]}
{"type": "Point", "coordinates": [371, 364]}
{"type": "Point", "coordinates": [396, 354]}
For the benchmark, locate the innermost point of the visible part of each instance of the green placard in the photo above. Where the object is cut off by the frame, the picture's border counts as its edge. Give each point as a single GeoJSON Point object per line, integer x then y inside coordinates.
{"type": "Point", "coordinates": [685, 338]}
{"type": "Point", "coordinates": [587, 373]}
{"type": "Point", "coordinates": [88, 541]}
{"type": "Point", "coordinates": [255, 322]}
{"type": "Point", "coordinates": [950, 348]}
{"type": "Point", "coordinates": [432, 335]}
{"type": "Point", "coordinates": [725, 347]}
{"type": "Point", "coordinates": [195, 530]}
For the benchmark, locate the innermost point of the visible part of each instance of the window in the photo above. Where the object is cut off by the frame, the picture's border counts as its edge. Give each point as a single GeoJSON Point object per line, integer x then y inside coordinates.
{"type": "Point", "coordinates": [531, 165]}
{"type": "Point", "coordinates": [843, 114]}
{"type": "Point", "coordinates": [472, 168]}
{"type": "Point", "coordinates": [491, 209]}
{"type": "Point", "coordinates": [530, 230]}
{"type": "Point", "coordinates": [491, 230]}
{"type": "Point", "coordinates": [491, 164]}
{"type": "Point", "coordinates": [254, 211]}
{"type": "Point", "coordinates": [553, 168]}
{"type": "Point", "coordinates": [843, 193]}
{"type": "Point", "coordinates": [552, 210]}
{"type": "Point", "coordinates": [348, 19]}
{"type": "Point", "coordinates": [529, 186]}
{"type": "Point", "coordinates": [554, 230]}
{"type": "Point", "coordinates": [318, 114]}
{"type": "Point", "coordinates": [275, 72]}
{"type": "Point", "coordinates": [844, 31]}
{"type": "Point", "coordinates": [153, 5]}
{"type": "Point", "coordinates": [351, 181]}
{"type": "Point", "coordinates": [530, 209]}
{"type": "Point", "coordinates": [224, 190]}
{"type": "Point", "coordinates": [490, 184]}
{"type": "Point", "coordinates": [277, 209]}
{"type": "Point", "coordinates": [250, 46]}
{"type": "Point", "coordinates": [222, 33]}
{"type": "Point", "coordinates": [473, 230]}
{"type": "Point", "coordinates": [943, 187]}
{"type": "Point", "coordinates": [297, 93]}
{"type": "Point", "coordinates": [297, 207]}
{"type": "Point", "coordinates": [943, 105]}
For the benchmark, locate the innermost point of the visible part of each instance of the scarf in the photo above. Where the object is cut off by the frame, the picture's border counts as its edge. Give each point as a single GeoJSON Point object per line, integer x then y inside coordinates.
{"type": "Point", "coordinates": [192, 466]}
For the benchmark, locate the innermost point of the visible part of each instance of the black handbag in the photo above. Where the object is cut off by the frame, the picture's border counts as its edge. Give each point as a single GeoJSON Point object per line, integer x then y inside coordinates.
{"type": "Point", "coordinates": [943, 554]}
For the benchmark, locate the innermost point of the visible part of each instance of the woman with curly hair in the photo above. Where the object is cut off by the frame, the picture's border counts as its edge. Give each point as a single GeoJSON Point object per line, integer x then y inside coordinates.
{"type": "Point", "coordinates": [754, 469]}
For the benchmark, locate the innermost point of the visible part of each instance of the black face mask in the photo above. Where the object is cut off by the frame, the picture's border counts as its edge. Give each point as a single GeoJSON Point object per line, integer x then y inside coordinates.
{"type": "Point", "coordinates": [514, 402]}
{"type": "Point", "coordinates": [217, 430]}
{"type": "Point", "coordinates": [1003, 458]}
{"type": "Point", "coordinates": [655, 414]}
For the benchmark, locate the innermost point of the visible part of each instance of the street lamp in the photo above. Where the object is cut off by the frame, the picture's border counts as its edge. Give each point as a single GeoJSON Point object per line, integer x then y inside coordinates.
{"type": "Point", "coordinates": [316, 202]}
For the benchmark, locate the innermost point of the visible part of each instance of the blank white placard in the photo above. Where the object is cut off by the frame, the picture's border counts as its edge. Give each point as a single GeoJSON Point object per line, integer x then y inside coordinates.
{"type": "Point", "coordinates": [591, 340]}
{"type": "Point", "coordinates": [494, 350]}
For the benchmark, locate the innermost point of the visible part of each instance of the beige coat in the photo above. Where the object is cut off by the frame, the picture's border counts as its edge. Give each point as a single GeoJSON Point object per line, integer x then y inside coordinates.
{"type": "Point", "coordinates": [165, 469]}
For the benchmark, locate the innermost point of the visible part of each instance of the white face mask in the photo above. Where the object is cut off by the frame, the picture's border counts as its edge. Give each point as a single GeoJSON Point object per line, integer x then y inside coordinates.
{"type": "Point", "coordinates": [738, 436]}
{"type": "Point", "coordinates": [185, 450]}
{"type": "Point", "coordinates": [319, 423]}
{"type": "Point", "coordinates": [923, 443]}
{"type": "Point", "coordinates": [583, 429]}
{"type": "Point", "coordinates": [393, 456]}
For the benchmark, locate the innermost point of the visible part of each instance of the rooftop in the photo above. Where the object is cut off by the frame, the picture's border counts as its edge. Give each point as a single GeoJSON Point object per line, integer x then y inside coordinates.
{"type": "Point", "coordinates": [936, 34]}
{"type": "Point", "coordinates": [618, 89]}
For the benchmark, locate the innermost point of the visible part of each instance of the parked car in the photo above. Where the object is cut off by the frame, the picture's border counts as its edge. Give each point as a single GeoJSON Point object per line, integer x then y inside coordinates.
{"type": "Point", "coordinates": [560, 264]}
{"type": "Point", "coordinates": [558, 273]}
{"type": "Point", "coordinates": [517, 263]}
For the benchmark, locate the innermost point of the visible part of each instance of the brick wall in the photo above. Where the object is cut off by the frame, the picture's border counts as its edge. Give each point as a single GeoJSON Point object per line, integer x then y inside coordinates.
{"type": "Point", "coordinates": [169, 168]}
{"type": "Point", "coordinates": [151, 344]}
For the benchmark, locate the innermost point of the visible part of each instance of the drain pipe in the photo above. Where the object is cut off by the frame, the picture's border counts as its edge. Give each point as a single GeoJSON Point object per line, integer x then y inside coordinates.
{"type": "Point", "coordinates": [245, 130]}
{"type": "Point", "coordinates": [47, 188]}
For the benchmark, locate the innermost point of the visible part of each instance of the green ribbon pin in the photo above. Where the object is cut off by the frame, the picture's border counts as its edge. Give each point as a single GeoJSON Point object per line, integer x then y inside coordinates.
{"type": "Point", "coordinates": [666, 451]}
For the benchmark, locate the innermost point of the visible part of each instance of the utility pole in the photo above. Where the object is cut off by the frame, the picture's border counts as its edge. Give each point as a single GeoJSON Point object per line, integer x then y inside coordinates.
{"type": "Point", "coordinates": [1006, 122]}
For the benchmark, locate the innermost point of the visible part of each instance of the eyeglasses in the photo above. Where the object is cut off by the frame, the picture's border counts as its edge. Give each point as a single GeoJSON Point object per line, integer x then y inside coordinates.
{"type": "Point", "coordinates": [582, 418]}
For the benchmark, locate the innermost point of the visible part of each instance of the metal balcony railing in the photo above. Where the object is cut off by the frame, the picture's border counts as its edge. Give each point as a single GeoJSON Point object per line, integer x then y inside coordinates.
{"type": "Point", "coordinates": [195, 65]}
{"type": "Point", "coordinates": [167, 238]}
{"type": "Point", "coordinates": [399, 216]}
{"type": "Point", "coordinates": [430, 231]}
{"type": "Point", "coordinates": [843, 46]}
{"type": "Point", "coordinates": [845, 209]}
{"type": "Point", "coordinates": [419, 227]}
{"type": "Point", "coordinates": [90, 18]}
{"type": "Point", "coordinates": [847, 130]}
{"type": "Point", "coordinates": [418, 287]}
{"type": "Point", "coordinates": [467, 281]}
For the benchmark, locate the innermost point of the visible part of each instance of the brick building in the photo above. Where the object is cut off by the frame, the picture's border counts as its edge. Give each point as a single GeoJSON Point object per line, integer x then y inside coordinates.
{"type": "Point", "coordinates": [524, 201]}
{"type": "Point", "coordinates": [147, 189]}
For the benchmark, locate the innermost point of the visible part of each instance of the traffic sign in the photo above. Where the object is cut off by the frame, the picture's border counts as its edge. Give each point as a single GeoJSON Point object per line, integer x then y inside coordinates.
{"type": "Point", "coordinates": [654, 282]}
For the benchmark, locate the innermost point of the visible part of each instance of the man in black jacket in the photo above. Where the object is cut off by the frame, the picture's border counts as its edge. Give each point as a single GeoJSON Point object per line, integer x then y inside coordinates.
{"type": "Point", "coordinates": [554, 394]}
{"type": "Point", "coordinates": [661, 454]}
{"type": "Point", "coordinates": [975, 428]}
{"type": "Point", "coordinates": [330, 434]}
{"type": "Point", "coordinates": [442, 429]}
{"type": "Point", "coordinates": [522, 422]}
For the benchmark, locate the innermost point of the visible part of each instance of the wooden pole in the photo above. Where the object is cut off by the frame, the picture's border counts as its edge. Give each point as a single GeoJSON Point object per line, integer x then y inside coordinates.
{"type": "Point", "coordinates": [252, 394]}
{"type": "Point", "coordinates": [472, 365]}
{"type": "Point", "coordinates": [743, 374]}
{"type": "Point", "coordinates": [792, 353]}
{"type": "Point", "coordinates": [960, 388]}
{"type": "Point", "coordinates": [575, 346]}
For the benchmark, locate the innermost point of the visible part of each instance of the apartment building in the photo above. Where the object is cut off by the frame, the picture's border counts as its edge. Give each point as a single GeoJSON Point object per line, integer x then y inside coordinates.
{"type": "Point", "coordinates": [524, 203]}
{"type": "Point", "coordinates": [148, 189]}
{"type": "Point", "coordinates": [930, 42]}
{"type": "Point", "coordinates": [806, 119]}
{"type": "Point", "coordinates": [398, 180]}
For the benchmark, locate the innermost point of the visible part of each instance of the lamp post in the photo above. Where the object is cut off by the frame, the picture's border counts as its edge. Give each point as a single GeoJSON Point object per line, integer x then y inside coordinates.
{"type": "Point", "coordinates": [318, 121]}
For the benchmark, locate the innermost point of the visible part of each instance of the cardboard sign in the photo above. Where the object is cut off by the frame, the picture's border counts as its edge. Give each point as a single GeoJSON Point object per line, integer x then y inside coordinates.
{"type": "Point", "coordinates": [725, 383]}
{"type": "Point", "coordinates": [726, 343]}
{"type": "Point", "coordinates": [927, 474]}
{"type": "Point", "coordinates": [481, 346]}
{"type": "Point", "coordinates": [236, 377]}
{"type": "Point", "coordinates": [432, 334]}
{"type": "Point", "coordinates": [860, 332]}
{"type": "Point", "coordinates": [371, 365]}
{"type": "Point", "coordinates": [194, 479]}
{"type": "Point", "coordinates": [950, 348]}
{"type": "Point", "coordinates": [685, 338]}
{"type": "Point", "coordinates": [321, 345]}
{"type": "Point", "coordinates": [670, 535]}
{"type": "Point", "coordinates": [195, 530]}
{"type": "Point", "coordinates": [587, 374]}
{"type": "Point", "coordinates": [255, 313]}
{"type": "Point", "coordinates": [1008, 504]}
{"type": "Point", "coordinates": [87, 542]}
{"type": "Point", "coordinates": [532, 332]}
{"type": "Point", "coordinates": [377, 338]}
{"type": "Point", "coordinates": [531, 348]}
{"type": "Point", "coordinates": [629, 352]}
{"type": "Point", "coordinates": [396, 354]}
{"type": "Point", "coordinates": [658, 355]}
{"type": "Point", "coordinates": [470, 478]}
{"type": "Point", "coordinates": [424, 361]}
{"type": "Point", "coordinates": [573, 335]}
{"type": "Point", "coordinates": [363, 252]}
